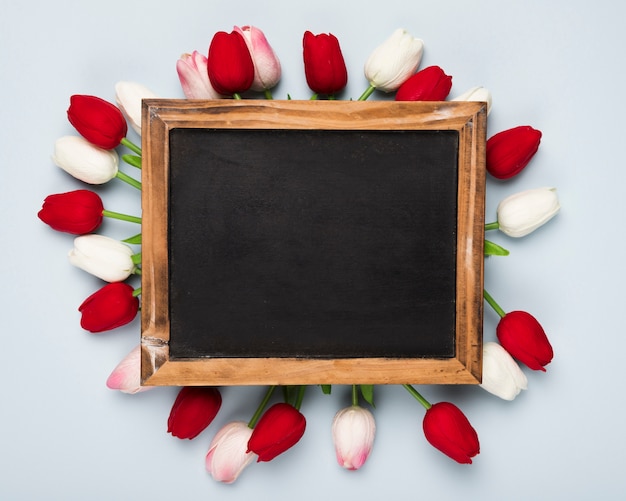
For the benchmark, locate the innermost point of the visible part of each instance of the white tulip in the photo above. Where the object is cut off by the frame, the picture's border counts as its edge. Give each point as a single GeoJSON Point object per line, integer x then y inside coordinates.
{"type": "Point", "coordinates": [103, 257]}
{"type": "Point", "coordinates": [524, 212]}
{"type": "Point", "coordinates": [501, 374]}
{"type": "Point", "coordinates": [353, 431]}
{"type": "Point", "coordinates": [86, 162]}
{"type": "Point", "coordinates": [479, 94]}
{"type": "Point", "coordinates": [394, 61]}
{"type": "Point", "coordinates": [128, 96]}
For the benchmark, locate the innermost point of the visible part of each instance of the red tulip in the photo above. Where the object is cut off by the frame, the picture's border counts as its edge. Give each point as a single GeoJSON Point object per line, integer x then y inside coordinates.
{"type": "Point", "coordinates": [523, 337]}
{"type": "Point", "coordinates": [446, 428]}
{"type": "Point", "coordinates": [324, 67]}
{"type": "Point", "coordinates": [429, 84]}
{"type": "Point", "coordinates": [98, 121]}
{"type": "Point", "coordinates": [280, 428]}
{"type": "Point", "coordinates": [109, 307]}
{"type": "Point", "coordinates": [229, 64]}
{"type": "Point", "coordinates": [193, 410]}
{"type": "Point", "coordinates": [77, 212]}
{"type": "Point", "coordinates": [509, 151]}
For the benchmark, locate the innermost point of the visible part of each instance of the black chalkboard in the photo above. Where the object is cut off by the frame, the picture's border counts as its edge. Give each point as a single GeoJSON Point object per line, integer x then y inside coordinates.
{"type": "Point", "coordinates": [312, 243]}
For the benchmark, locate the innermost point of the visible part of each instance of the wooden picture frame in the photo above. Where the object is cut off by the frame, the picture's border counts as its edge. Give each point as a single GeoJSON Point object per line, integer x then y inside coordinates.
{"type": "Point", "coordinates": [211, 166]}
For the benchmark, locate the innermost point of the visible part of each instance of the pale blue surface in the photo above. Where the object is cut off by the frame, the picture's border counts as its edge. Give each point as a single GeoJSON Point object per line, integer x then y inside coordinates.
{"type": "Point", "coordinates": [555, 65]}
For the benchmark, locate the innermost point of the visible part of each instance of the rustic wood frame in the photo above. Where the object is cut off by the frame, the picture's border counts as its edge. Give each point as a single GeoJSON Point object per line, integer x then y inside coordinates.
{"type": "Point", "coordinates": [161, 115]}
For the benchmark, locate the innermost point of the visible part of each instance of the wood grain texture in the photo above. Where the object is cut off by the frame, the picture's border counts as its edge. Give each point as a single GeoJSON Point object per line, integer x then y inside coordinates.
{"type": "Point", "coordinates": [162, 116]}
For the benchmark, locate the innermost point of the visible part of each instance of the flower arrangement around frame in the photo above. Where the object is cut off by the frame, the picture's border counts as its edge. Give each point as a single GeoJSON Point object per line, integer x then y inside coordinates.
{"type": "Point", "coordinates": [241, 62]}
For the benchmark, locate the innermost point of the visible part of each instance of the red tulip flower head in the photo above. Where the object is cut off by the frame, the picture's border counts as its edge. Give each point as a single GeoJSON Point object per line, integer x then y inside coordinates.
{"type": "Point", "coordinates": [509, 151]}
{"type": "Point", "coordinates": [194, 409]}
{"type": "Point", "coordinates": [429, 84]}
{"type": "Point", "coordinates": [109, 307]}
{"type": "Point", "coordinates": [447, 429]}
{"type": "Point", "coordinates": [324, 67]}
{"type": "Point", "coordinates": [230, 65]}
{"type": "Point", "coordinates": [279, 429]}
{"type": "Point", "coordinates": [76, 212]}
{"type": "Point", "coordinates": [523, 337]}
{"type": "Point", "coordinates": [98, 121]}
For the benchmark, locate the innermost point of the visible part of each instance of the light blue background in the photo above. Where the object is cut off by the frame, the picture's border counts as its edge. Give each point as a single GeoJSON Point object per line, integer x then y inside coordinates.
{"type": "Point", "coordinates": [558, 66]}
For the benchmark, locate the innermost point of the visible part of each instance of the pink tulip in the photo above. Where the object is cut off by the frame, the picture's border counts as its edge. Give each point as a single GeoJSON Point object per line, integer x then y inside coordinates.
{"type": "Point", "coordinates": [126, 377]}
{"type": "Point", "coordinates": [353, 435]}
{"type": "Point", "coordinates": [267, 70]}
{"type": "Point", "coordinates": [227, 456]}
{"type": "Point", "coordinates": [193, 76]}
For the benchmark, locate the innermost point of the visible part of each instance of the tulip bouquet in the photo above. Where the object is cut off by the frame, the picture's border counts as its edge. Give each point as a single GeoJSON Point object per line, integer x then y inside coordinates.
{"type": "Point", "coordinates": [242, 63]}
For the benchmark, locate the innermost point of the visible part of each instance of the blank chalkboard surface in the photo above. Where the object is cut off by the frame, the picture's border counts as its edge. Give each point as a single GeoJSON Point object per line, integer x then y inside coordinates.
{"type": "Point", "coordinates": [305, 243]}
{"type": "Point", "coordinates": [334, 242]}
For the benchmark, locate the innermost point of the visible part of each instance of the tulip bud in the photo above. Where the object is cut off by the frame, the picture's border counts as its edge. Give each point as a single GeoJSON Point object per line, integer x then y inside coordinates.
{"type": "Point", "coordinates": [524, 212]}
{"type": "Point", "coordinates": [324, 66]}
{"type": "Point", "coordinates": [75, 212]}
{"type": "Point", "coordinates": [447, 429]}
{"type": "Point", "coordinates": [509, 151]}
{"type": "Point", "coordinates": [110, 307]}
{"type": "Point", "coordinates": [394, 61]}
{"type": "Point", "coordinates": [353, 432]}
{"type": "Point", "coordinates": [479, 94]}
{"type": "Point", "coordinates": [227, 456]}
{"type": "Point", "coordinates": [86, 162]}
{"type": "Point", "coordinates": [523, 337]}
{"type": "Point", "coordinates": [128, 96]}
{"type": "Point", "coordinates": [229, 64]}
{"type": "Point", "coordinates": [126, 377]}
{"type": "Point", "coordinates": [429, 84]}
{"type": "Point", "coordinates": [194, 409]}
{"type": "Point", "coordinates": [267, 69]}
{"type": "Point", "coordinates": [98, 121]}
{"type": "Point", "coordinates": [194, 77]}
{"type": "Point", "coordinates": [103, 257]}
{"type": "Point", "coordinates": [279, 429]}
{"type": "Point", "coordinates": [501, 374]}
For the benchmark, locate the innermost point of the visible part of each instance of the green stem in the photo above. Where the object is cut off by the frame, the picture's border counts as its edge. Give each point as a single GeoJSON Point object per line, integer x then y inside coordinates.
{"type": "Point", "coordinates": [331, 97]}
{"type": "Point", "coordinates": [268, 94]}
{"type": "Point", "coordinates": [313, 97]}
{"type": "Point", "coordinates": [127, 179]}
{"type": "Point", "coordinates": [416, 394]}
{"type": "Point", "coordinates": [137, 292]}
{"type": "Point", "coordinates": [137, 271]}
{"type": "Point", "coordinates": [255, 418]}
{"type": "Point", "coordinates": [136, 258]}
{"type": "Point", "coordinates": [122, 217]}
{"type": "Point", "coordinates": [300, 397]}
{"type": "Point", "coordinates": [236, 95]}
{"type": "Point", "coordinates": [492, 226]}
{"type": "Point", "coordinates": [368, 92]}
{"type": "Point", "coordinates": [493, 304]}
{"type": "Point", "coordinates": [131, 146]}
{"type": "Point", "coordinates": [355, 395]}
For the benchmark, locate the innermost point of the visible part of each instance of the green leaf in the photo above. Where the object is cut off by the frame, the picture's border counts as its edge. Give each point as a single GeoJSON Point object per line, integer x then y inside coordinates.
{"type": "Point", "coordinates": [492, 249]}
{"type": "Point", "coordinates": [134, 240]}
{"type": "Point", "coordinates": [133, 160]}
{"type": "Point", "coordinates": [367, 390]}
{"type": "Point", "coordinates": [326, 388]}
{"type": "Point", "coordinates": [136, 258]}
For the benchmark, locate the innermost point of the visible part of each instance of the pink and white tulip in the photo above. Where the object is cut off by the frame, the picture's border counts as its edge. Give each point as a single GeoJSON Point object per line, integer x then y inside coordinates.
{"type": "Point", "coordinates": [194, 77]}
{"type": "Point", "coordinates": [267, 70]}
{"type": "Point", "coordinates": [353, 432]}
{"type": "Point", "coordinates": [227, 456]}
{"type": "Point", "coordinates": [126, 377]}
